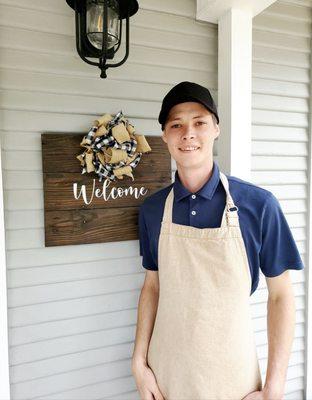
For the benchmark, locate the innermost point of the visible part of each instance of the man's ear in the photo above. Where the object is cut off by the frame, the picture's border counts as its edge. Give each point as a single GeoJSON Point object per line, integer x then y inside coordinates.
{"type": "Point", "coordinates": [217, 131]}
{"type": "Point", "coordinates": [164, 137]}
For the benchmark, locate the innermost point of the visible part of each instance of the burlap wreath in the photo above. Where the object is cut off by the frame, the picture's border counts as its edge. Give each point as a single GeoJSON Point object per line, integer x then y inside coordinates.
{"type": "Point", "coordinates": [113, 149]}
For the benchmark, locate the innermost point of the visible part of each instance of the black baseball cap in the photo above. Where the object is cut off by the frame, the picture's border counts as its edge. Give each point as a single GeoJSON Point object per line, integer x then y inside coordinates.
{"type": "Point", "coordinates": [186, 91]}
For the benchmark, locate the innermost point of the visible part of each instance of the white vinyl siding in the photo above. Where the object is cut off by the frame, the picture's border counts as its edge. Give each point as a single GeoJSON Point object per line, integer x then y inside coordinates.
{"type": "Point", "coordinates": [280, 144]}
{"type": "Point", "coordinates": [73, 309]}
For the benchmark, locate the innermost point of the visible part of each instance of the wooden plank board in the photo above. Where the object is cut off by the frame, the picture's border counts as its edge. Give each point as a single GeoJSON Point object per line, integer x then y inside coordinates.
{"type": "Point", "coordinates": [60, 190]}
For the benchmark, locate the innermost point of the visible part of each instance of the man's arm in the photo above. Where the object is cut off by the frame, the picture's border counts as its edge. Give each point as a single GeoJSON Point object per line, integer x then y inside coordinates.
{"type": "Point", "coordinates": [281, 326]}
{"type": "Point", "coordinates": [147, 309]}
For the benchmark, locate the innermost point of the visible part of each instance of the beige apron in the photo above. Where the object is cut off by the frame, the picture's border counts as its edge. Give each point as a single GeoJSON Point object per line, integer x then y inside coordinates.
{"type": "Point", "coordinates": [202, 345]}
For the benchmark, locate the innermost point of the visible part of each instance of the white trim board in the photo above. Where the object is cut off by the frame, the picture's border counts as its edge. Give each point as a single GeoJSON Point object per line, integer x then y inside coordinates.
{"type": "Point", "coordinates": [308, 308]}
{"type": "Point", "coordinates": [213, 10]}
{"type": "Point", "coordinates": [4, 344]}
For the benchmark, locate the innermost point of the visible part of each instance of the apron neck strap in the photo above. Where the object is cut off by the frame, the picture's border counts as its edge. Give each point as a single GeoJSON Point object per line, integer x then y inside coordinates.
{"type": "Point", "coordinates": [230, 215]}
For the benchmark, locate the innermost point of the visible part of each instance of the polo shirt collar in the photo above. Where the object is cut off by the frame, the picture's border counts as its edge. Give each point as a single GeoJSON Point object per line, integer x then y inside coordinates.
{"type": "Point", "coordinates": [206, 191]}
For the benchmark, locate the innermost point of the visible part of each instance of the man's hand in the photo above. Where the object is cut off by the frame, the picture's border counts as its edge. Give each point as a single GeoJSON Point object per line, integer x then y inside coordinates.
{"type": "Point", "coordinates": [262, 395]}
{"type": "Point", "coordinates": [146, 382]}
{"type": "Point", "coordinates": [257, 395]}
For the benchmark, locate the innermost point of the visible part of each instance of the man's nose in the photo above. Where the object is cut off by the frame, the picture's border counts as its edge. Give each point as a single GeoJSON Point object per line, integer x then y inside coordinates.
{"type": "Point", "coordinates": [187, 132]}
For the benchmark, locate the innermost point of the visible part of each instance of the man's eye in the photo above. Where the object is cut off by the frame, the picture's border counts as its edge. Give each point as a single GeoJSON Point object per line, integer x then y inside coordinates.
{"type": "Point", "coordinates": [201, 122]}
{"type": "Point", "coordinates": [175, 126]}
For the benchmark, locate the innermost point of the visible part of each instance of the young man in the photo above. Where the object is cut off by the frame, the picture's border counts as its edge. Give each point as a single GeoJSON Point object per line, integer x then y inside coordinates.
{"type": "Point", "coordinates": [203, 240]}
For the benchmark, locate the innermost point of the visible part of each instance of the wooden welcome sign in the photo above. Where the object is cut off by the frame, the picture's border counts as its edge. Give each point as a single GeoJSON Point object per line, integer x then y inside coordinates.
{"type": "Point", "coordinates": [79, 209]}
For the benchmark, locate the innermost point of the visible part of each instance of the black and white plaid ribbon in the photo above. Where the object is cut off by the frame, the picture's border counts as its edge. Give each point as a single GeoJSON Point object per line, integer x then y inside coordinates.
{"type": "Point", "coordinates": [108, 140]}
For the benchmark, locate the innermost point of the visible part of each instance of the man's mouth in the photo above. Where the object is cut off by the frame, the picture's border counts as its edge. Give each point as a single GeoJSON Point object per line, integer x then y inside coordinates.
{"type": "Point", "coordinates": [188, 149]}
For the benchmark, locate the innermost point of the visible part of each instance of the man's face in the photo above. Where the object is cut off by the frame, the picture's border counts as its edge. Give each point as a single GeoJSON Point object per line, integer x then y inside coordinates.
{"type": "Point", "coordinates": [190, 124]}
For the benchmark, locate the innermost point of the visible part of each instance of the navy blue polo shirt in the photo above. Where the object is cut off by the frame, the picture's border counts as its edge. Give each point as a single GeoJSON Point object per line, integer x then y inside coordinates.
{"type": "Point", "coordinates": [269, 242]}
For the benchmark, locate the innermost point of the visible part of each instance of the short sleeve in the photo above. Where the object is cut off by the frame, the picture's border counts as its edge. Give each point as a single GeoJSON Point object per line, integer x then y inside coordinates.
{"type": "Point", "coordinates": [145, 251]}
{"type": "Point", "coordinates": [278, 251]}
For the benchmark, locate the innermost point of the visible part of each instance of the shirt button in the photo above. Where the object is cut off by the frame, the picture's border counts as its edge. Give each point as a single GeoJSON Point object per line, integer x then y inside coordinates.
{"type": "Point", "coordinates": [193, 196]}
{"type": "Point", "coordinates": [193, 212]}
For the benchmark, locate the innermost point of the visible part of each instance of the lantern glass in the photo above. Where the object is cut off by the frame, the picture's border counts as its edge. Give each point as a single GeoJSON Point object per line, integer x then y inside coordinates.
{"type": "Point", "coordinates": [95, 11]}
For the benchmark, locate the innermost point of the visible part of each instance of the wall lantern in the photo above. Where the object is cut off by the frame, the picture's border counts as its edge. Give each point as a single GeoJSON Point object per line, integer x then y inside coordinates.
{"type": "Point", "coordinates": [99, 29]}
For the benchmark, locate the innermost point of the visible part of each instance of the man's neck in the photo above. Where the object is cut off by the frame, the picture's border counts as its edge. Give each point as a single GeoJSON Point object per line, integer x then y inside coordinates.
{"type": "Point", "coordinates": [195, 179]}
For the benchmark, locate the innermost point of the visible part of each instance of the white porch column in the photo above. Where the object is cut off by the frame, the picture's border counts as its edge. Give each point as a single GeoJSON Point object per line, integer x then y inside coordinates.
{"type": "Point", "coordinates": [234, 18]}
{"type": "Point", "coordinates": [234, 91]}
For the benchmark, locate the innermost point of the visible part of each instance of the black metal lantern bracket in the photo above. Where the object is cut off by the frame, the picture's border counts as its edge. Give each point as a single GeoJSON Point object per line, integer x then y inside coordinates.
{"type": "Point", "coordinates": [85, 49]}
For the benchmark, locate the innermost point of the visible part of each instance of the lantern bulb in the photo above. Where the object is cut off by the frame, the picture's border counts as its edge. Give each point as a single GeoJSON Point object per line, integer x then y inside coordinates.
{"type": "Point", "coordinates": [95, 13]}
